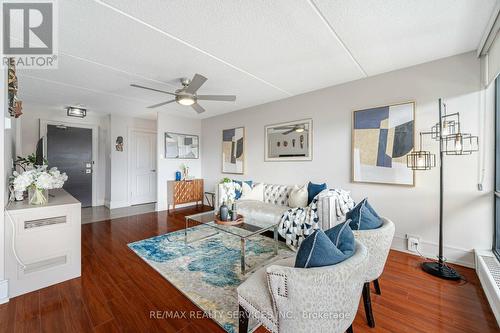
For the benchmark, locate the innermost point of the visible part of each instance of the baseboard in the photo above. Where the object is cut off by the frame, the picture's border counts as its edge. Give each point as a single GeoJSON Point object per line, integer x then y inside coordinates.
{"type": "Point", "coordinates": [107, 203]}
{"type": "Point", "coordinates": [118, 204]}
{"type": "Point", "coordinates": [453, 255]}
{"type": "Point", "coordinates": [4, 291]}
{"type": "Point", "coordinates": [488, 282]}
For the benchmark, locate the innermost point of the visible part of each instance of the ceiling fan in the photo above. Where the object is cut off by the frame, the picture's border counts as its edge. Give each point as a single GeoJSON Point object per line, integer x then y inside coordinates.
{"type": "Point", "coordinates": [187, 94]}
{"type": "Point", "coordinates": [299, 128]}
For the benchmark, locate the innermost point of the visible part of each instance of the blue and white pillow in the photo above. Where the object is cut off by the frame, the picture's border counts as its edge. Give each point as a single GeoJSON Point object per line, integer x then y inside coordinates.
{"type": "Point", "coordinates": [364, 217]}
{"type": "Point", "coordinates": [325, 248]}
{"type": "Point", "coordinates": [239, 192]}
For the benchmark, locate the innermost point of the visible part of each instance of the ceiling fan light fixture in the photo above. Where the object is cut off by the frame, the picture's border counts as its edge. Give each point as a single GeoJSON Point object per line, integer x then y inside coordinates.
{"type": "Point", "coordinates": [185, 100]}
{"type": "Point", "coordinates": [299, 130]}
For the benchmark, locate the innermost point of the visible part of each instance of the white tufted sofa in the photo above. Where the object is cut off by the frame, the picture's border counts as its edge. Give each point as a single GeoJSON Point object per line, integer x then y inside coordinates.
{"type": "Point", "coordinates": [276, 203]}
{"type": "Point", "coordinates": [378, 242]}
{"type": "Point", "coordinates": [288, 299]}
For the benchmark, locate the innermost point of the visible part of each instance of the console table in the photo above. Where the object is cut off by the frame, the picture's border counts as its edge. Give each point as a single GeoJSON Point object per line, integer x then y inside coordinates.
{"type": "Point", "coordinates": [184, 191]}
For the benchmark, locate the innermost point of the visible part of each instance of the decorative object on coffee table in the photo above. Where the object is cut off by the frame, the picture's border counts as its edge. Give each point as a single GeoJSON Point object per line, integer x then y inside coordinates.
{"type": "Point", "coordinates": [451, 142]}
{"type": "Point", "coordinates": [281, 138]}
{"type": "Point", "coordinates": [223, 213]}
{"type": "Point", "coordinates": [237, 219]}
{"type": "Point", "coordinates": [233, 150]}
{"type": "Point", "coordinates": [381, 139]}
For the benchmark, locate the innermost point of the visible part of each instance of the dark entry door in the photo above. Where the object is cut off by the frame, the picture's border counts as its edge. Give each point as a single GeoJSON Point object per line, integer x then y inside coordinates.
{"type": "Point", "coordinates": [70, 150]}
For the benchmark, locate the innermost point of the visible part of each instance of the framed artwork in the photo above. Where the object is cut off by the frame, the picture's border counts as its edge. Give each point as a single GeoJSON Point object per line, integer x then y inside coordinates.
{"type": "Point", "coordinates": [233, 150]}
{"type": "Point", "coordinates": [290, 141]}
{"type": "Point", "coordinates": [181, 146]}
{"type": "Point", "coordinates": [381, 138]}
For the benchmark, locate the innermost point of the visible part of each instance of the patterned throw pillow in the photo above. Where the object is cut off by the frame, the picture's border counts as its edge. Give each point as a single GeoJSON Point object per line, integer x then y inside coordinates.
{"type": "Point", "coordinates": [313, 190]}
{"type": "Point", "coordinates": [239, 182]}
{"type": "Point", "coordinates": [318, 249]}
{"type": "Point", "coordinates": [363, 217]}
{"type": "Point", "coordinates": [256, 193]}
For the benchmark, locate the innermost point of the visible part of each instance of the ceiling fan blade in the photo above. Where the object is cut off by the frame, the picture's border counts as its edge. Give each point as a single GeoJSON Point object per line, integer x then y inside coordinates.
{"type": "Point", "coordinates": [160, 104]}
{"type": "Point", "coordinates": [142, 87]}
{"type": "Point", "coordinates": [289, 131]}
{"type": "Point", "coordinates": [226, 98]}
{"type": "Point", "coordinates": [195, 84]}
{"type": "Point", "coordinates": [198, 108]}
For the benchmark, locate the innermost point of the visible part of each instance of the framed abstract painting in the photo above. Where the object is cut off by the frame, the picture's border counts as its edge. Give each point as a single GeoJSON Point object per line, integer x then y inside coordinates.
{"type": "Point", "coordinates": [233, 150]}
{"type": "Point", "coordinates": [381, 138]}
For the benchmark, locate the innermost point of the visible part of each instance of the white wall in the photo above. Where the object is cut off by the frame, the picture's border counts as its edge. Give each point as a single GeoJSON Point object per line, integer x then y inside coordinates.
{"type": "Point", "coordinates": [6, 169]}
{"type": "Point", "coordinates": [468, 212]}
{"type": "Point", "coordinates": [120, 126]}
{"type": "Point", "coordinates": [167, 167]}
{"type": "Point", "coordinates": [30, 133]}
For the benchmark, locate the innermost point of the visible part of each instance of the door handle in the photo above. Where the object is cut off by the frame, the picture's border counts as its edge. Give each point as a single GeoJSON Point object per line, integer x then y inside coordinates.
{"type": "Point", "coordinates": [153, 170]}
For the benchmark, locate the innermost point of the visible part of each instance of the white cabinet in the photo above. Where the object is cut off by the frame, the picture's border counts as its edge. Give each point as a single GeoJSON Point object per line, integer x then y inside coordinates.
{"type": "Point", "coordinates": [47, 240]}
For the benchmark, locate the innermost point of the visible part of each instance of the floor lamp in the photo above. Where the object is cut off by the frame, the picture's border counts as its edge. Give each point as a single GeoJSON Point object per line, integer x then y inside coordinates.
{"type": "Point", "coordinates": [451, 142]}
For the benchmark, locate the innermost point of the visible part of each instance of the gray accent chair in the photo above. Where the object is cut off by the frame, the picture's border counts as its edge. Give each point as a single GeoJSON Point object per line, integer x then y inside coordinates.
{"type": "Point", "coordinates": [378, 242]}
{"type": "Point", "coordinates": [288, 299]}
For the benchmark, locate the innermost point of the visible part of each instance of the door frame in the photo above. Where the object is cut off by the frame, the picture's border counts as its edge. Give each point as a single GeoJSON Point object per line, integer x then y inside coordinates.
{"type": "Point", "coordinates": [95, 152]}
{"type": "Point", "coordinates": [129, 160]}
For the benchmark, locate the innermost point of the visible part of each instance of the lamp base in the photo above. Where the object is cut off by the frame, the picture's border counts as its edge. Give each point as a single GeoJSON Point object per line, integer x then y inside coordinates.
{"type": "Point", "coordinates": [440, 270]}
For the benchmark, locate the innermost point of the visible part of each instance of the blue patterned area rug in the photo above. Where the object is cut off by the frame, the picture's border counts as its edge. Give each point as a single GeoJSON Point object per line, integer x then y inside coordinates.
{"type": "Point", "coordinates": [207, 271]}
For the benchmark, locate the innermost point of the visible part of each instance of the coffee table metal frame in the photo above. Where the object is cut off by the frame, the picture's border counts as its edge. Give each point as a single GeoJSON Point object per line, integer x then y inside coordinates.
{"type": "Point", "coordinates": [207, 218]}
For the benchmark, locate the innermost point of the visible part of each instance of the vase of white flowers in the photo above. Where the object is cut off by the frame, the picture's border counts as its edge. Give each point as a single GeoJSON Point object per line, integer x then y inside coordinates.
{"type": "Point", "coordinates": [38, 181]}
{"type": "Point", "coordinates": [37, 196]}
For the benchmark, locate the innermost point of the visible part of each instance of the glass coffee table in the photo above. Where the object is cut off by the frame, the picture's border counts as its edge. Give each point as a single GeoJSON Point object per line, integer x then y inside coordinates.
{"type": "Point", "coordinates": [244, 231]}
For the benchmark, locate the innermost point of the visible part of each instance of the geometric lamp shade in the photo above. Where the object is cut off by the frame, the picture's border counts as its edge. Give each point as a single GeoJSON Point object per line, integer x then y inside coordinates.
{"type": "Point", "coordinates": [420, 160]}
{"type": "Point", "coordinates": [460, 144]}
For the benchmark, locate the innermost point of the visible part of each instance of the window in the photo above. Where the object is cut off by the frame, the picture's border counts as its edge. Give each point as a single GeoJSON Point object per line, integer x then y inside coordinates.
{"type": "Point", "coordinates": [496, 241]}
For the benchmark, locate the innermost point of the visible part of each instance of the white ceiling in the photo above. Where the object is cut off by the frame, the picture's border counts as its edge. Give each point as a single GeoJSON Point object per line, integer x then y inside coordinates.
{"type": "Point", "coordinates": [258, 50]}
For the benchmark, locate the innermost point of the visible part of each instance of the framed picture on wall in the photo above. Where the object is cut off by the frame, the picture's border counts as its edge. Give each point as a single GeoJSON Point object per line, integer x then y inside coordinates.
{"type": "Point", "coordinates": [181, 146]}
{"type": "Point", "coordinates": [381, 138]}
{"type": "Point", "coordinates": [290, 141]}
{"type": "Point", "coordinates": [233, 150]}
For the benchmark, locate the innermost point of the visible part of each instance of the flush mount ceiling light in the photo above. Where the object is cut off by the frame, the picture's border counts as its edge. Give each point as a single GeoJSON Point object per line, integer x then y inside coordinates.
{"type": "Point", "coordinates": [76, 111]}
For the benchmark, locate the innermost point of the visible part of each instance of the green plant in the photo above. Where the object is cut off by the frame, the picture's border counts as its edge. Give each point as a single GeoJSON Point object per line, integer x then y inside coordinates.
{"type": "Point", "coordinates": [28, 161]}
{"type": "Point", "coordinates": [226, 180]}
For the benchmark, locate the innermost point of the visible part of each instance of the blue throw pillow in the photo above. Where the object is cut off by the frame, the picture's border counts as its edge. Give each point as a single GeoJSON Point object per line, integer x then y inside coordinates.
{"type": "Point", "coordinates": [364, 217]}
{"type": "Point", "coordinates": [317, 250]}
{"type": "Point", "coordinates": [313, 190]}
{"type": "Point", "coordinates": [239, 182]}
{"type": "Point", "coordinates": [341, 235]}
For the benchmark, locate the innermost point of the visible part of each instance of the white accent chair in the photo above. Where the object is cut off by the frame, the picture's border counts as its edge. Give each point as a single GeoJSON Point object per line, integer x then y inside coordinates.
{"type": "Point", "coordinates": [378, 242]}
{"type": "Point", "coordinates": [294, 300]}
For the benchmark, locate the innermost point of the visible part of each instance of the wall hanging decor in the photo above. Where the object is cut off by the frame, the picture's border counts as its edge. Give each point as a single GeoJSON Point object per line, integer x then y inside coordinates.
{"type": "Point", "coordinates": [233, 150]}
{"type": "Point", "coordinates": [452, 141]}
{"type": "Point", "coordinates": [381, 139]}
{"type": "Point", "coordinates": [281, 141]}
{"type": "Point", "coordinates": [15, 105]}
{"type": "Point", "coordinates": [119, 143]}
{"type": "Point", "coordinates": [183, 146]}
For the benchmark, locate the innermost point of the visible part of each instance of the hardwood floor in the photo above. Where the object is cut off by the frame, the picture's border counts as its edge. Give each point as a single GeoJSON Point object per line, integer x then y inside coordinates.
{"type": "Point", "coordinates": [117, 292]}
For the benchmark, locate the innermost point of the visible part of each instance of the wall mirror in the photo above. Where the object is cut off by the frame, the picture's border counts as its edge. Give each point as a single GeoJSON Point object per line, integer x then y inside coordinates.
{"type": "Point", "coordinates": [182, 146]}
{"type": "Point", "coordinates": [291, 141]}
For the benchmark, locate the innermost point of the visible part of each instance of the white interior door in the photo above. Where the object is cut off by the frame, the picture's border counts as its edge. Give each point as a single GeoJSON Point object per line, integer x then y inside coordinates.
{"type": "Point", "coordinates": [142, 167]}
